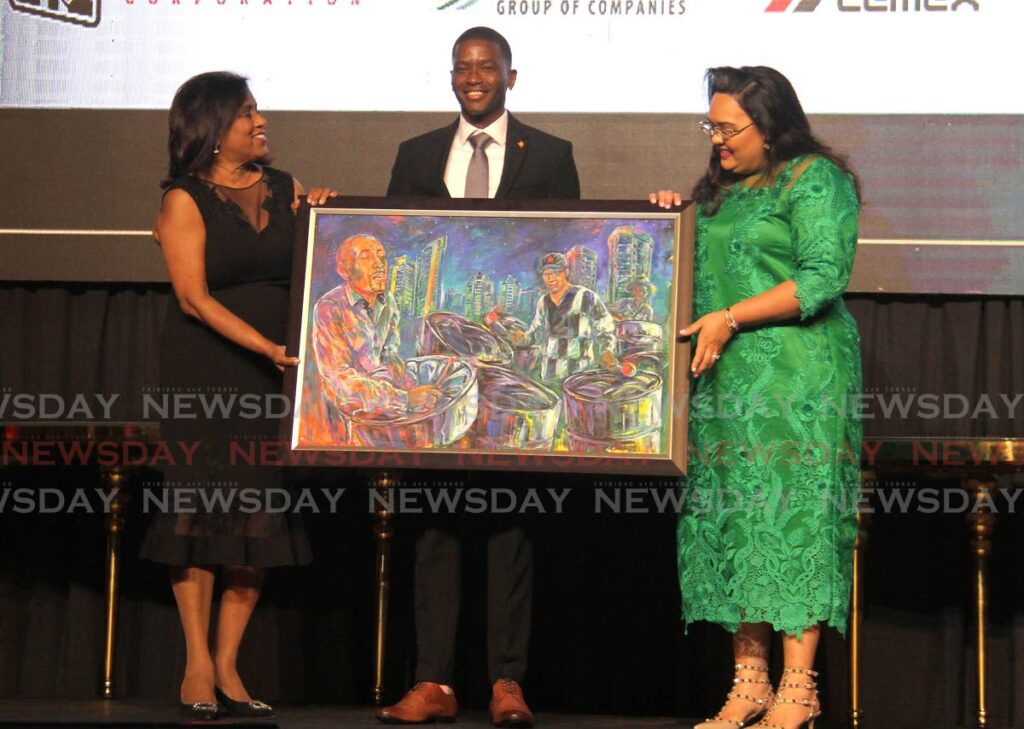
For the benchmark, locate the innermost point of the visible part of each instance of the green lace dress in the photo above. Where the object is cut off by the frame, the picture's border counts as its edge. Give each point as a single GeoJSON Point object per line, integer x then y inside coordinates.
{"type": "Point", "coordinates": [773, 481]}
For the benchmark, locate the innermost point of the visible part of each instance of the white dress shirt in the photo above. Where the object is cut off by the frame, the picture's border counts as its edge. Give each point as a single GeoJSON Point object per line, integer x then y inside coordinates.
{"type": "Point", "coordinates": [461, 153]}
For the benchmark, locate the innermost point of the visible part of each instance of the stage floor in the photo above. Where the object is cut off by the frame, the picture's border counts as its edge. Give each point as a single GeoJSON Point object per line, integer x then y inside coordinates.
{"type": "Point", "coordinates": [132, 712]}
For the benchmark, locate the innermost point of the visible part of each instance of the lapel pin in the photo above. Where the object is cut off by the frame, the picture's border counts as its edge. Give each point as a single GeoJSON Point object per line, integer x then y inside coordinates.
{"type": "Point", "coordinates": [521, 144]}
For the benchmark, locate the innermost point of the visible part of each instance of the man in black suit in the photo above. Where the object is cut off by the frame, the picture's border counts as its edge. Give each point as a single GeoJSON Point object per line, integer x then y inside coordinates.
{"type": "Point", "coordinates": [485, 153]}
{"type": "Point", "coordinates": [523, 162]}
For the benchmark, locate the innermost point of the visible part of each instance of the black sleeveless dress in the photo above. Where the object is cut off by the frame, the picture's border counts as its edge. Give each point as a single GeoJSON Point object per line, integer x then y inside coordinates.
{"type": "Point", "coordinates": [213, 511]}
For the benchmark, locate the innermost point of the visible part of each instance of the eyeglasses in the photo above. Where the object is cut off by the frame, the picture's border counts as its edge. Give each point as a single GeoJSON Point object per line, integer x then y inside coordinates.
{"type": "Point", "coordinates": [724, 132]}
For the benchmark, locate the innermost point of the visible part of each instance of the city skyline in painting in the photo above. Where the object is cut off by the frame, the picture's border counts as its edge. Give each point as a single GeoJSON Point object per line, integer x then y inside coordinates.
{"type": "Point", "coordinates": [470, 265]}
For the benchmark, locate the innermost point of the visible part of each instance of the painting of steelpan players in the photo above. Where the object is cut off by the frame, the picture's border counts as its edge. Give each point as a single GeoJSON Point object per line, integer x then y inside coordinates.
{"type": "Point", "coordinates": [498, 332]}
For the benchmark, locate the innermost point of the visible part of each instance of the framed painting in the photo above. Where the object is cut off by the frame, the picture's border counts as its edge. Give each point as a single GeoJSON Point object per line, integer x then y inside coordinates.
{"type": "Point", "coordinates": [487, 334]}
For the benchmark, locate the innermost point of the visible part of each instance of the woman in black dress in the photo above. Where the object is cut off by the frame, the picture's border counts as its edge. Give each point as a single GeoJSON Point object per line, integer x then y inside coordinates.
{"type": "Point", "coordinates": [226, 228]}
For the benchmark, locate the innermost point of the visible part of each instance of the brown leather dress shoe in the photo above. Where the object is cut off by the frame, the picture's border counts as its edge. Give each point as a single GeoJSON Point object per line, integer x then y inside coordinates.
{"type": "Point", "coordinates": [424, 703]}
{"type": "Point", "coordinates": [508, 707]}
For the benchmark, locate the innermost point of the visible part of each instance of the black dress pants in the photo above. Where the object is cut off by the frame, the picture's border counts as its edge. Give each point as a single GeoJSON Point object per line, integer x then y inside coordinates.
{"type": "Point", "coordinates": [437, 592]}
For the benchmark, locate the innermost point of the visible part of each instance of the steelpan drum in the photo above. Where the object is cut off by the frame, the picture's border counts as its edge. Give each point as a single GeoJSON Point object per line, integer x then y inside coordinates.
{"type": "Point", "coordinates": [504, 325]}
{"type": "Point", "coordinates": [649, 442]}
{"type": "Point", "coordinates": [607, 406]}
{"type": "Point", "coordinates": [447, 333]}
{"type": "Point", "coordinates": [638, 336]}
{"type": "Point", "coordinates": [439, 426]}
{"type": "Point", "coordinates": [514, 412]}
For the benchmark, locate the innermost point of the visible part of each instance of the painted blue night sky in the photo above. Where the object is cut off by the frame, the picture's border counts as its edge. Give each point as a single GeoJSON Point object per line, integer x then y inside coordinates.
{"type": "Point", "coordinates": [497, 246]}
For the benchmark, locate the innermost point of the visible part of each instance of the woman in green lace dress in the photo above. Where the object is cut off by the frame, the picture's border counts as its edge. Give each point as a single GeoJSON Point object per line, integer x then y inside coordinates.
{"type": "Point", "coordinates": [766, 541]}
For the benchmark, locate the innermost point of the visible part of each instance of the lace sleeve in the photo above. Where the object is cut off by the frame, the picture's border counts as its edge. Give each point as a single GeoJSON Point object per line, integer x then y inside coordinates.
{"type": "Point", "coordinates": [824, 224]}
{"type": "Point", "coordinates": [282, 187]}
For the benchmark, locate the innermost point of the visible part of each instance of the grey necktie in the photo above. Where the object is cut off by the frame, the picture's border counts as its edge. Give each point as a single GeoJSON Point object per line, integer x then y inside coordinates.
{"type": "Point", "coordinates": [477, 178]}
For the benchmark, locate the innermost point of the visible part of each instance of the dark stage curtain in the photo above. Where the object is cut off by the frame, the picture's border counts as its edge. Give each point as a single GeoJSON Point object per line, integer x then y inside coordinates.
{"type": "Point", "coordinates": [606, 632]}
{"type": "Point", "coordinates": [962, 351]}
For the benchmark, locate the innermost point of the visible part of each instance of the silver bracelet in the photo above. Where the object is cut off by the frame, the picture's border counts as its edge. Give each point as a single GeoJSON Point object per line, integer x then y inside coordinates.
{"type": "Point", "coordinates": [731, 322]}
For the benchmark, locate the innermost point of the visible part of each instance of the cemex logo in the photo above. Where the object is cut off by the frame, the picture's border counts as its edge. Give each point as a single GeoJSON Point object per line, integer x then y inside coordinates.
{"type": "Point", "coordinates": [878, 6]}
{"type": "Point", "coordinates": [781, 6]}
{"type": "Point", "coordinates": [80, 12]}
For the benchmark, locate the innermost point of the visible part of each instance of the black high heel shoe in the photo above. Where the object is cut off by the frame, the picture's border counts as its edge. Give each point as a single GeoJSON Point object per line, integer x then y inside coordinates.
{"type": "Point", "coordinates": [251, 709]}
{"type": "Point", "coordinates": [200, 711]}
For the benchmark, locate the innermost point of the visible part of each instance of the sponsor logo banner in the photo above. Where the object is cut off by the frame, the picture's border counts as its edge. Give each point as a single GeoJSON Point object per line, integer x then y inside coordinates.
{"type": "Point", "coordinates": [873, 6]}
{"type": "Point", "coordinates": [624, 56]}
{"type": "Point", "coordinates": [80, 12]}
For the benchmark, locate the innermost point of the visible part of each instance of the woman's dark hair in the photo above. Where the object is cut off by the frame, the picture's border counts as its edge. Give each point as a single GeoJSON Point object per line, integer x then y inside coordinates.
{"type": "Point", "coordinates": [770, 101]}
{"type": "Point", "coordinates": [203, 109]}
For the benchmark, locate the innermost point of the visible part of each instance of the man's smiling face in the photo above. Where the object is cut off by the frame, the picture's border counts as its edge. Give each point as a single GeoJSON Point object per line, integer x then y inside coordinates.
{"type": "Point", "coordinates": [480, 78]}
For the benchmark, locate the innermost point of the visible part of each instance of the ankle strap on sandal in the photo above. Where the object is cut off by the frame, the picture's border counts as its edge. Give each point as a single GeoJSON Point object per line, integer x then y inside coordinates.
{"type": "Point", "coordinates": [811, 686]}
{"type": "Point", "coordinates": [809, 703]}
{"type": "Point", "coordinates": [748, 667]}
{"type": "Point", "coordinates": [804, 671]}
{"type": "Point", "coordinates": [761, 681]}
{"type": "Point", "coordinates": [766, 699]}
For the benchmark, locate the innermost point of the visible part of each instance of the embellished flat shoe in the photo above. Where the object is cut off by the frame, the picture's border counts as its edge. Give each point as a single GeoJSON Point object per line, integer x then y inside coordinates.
{"type": "Point", "coordinates": [251, 709]}
{"type": "Point", "coordinates": [200, 711]}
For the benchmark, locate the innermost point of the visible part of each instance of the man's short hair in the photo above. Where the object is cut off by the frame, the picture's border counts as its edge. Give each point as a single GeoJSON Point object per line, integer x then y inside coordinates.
{"type": "Point", "coordinates": [488, 34]}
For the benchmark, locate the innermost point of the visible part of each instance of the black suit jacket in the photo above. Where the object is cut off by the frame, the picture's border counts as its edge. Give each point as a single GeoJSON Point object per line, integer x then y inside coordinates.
{"type": "Point", "coordinates": [537, 165]}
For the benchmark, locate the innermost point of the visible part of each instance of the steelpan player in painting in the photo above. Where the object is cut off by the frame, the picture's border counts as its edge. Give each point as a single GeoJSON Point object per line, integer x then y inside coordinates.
{"type": "Point", "coordinates": [465, 331]}
{"type": "Point", "coordinates": [355, 341]}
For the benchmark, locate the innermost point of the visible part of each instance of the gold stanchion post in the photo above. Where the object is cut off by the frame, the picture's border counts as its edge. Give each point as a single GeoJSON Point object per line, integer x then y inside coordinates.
{"type": "Point", "coordinates": [384, 483]}
{"type": "Point", "coordinates": [114, 480]}
{"type": "Point", "coordinates": [983, 523]}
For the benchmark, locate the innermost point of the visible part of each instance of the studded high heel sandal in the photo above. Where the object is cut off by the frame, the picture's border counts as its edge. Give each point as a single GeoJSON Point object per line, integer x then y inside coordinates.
{"type": "Point", "coordinates": [789, 682]}
{"type": "Point", "coordinates": [760, 705]}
